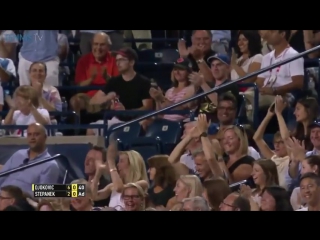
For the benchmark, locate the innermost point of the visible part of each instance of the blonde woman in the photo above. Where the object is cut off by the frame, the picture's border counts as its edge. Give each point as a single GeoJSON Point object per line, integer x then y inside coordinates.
{"type": "Point", "coordinates": [24, 108]}
{"type": "Point", "coordinates": [130, 169]}
{"type": "Point", "coordinates": [235, 145]}
{"type": "Point", "coordinates": [133, 197]}
{"type": "Point", "coordinates": [187, 186]}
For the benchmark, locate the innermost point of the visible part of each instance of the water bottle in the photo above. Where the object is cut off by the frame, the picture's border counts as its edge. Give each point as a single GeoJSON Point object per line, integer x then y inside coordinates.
{"type": "Point", "coordinates": [64, 108]}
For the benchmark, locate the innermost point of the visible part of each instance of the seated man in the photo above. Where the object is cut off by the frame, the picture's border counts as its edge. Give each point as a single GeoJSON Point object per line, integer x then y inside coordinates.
{"type": "Point", "coordinates": [39, 46]}
{"type": "Point", "coordinates": [9, 196]}
{"type": "Point", "coordinates": [46, 173]}
{"type": "Point", "coordinates": [93, 69]}
{"type": "Point", "coordinates": [282, 80]}
{"type": "Point", "coordinates": [7, 73]}
{"type": "Point", "coordinates": [195, 204]}
{"type": "Point", "coordinates": [129, 91]}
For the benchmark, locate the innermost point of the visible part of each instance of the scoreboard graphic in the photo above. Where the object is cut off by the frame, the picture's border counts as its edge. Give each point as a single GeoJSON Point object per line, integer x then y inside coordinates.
{"type": "Point", "coordinates": [53, 190]}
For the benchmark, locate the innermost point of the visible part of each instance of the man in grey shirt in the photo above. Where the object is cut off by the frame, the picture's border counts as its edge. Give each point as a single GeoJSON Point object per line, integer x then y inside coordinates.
{"type": "Point", "coordinates": [45, 173]}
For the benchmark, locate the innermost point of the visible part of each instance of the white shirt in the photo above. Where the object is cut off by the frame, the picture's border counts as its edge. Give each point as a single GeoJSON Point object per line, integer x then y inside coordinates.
{"type": "Point", "coordinates": [253, 153]}
{"type": "Point", "coordinates": [245, 65]}
{"type": "Point", "coordinates": [285, 73]}
{"type": "Point", "coordinates": [20, 119]}
{"type": "Point", "coordinates": [8, 65]}
{"type": "Point", "coordinates": [115, 200]}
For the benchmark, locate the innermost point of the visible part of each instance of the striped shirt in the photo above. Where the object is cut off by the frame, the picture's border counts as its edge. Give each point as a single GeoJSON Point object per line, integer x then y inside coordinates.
{"type": "Point", "coordinates": [52, 95]}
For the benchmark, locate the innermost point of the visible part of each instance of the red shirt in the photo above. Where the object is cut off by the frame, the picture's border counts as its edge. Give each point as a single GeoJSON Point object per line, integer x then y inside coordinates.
{"type": "Point", "coordinates": [85, 65]}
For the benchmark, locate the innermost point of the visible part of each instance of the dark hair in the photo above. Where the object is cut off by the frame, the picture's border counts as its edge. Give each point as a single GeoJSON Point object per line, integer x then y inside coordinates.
{"type": "Point", "coordinates": [312, 108]}
{"type": "Point", "coordinates": [42, 63]}
{"type": "Point", "coordinates": [165, 172]}
{"type": "Point", "coordinates": [314, 160]}
{"type": "Point", "coordinates": [228, 97]}
{"type": "Point", "coordinates": [242, 204]}
{"type": "Point", "coordinates": [217, 190]}
{"type": "Point", "coordinates": [280, 196]}
{"type": "Point", "coordinates": [12, 208]}
{"type": "Point", "coordinates": [175, 83]}
{"type": "Point", "coordinates": [311, 175]}
{"type": "Point", "coordinates": [287, 33]}
{"type": "Point", "coordinates": [269, 169]}
{"type": "Point", "coordinates": [102, 150]}
{"type": "Point", "coordinates": [13, 191]}
{"type": "Point", "coordinates": [208, 31]}
{"type": "Point", "coordinates": [254, 42]}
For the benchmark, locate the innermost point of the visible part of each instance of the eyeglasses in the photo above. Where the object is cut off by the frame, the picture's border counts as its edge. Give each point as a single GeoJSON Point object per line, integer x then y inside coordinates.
{"type": "Point", "coordinates": [228, 109]}
{"type": "Point", "coordinates": [239, 126]}
{"type": "Point", "coordinates": [130, 197]}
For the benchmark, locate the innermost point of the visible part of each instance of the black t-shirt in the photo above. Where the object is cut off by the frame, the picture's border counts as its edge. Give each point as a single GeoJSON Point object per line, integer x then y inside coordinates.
{"type": "Point", "coordinates": [195, 67]}
{"type": "Point", "coordinates": [161, 198]}
{"type": "Point", "coordinates": [244, 160]}
{"type": "Point", "coordinates": [130, 93]}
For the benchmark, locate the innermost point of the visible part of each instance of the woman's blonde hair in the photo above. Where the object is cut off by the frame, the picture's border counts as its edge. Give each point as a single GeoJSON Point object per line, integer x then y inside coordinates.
{"type": "Point", "coordinates": [243, 139]}
{"type": "Point", "coordinates": [27, 93]}
{"type": "Point", "coordinates": [193, 183]}
{"type": "Point", "coordinates": [141, 193]}
{"type": "Point", "coordinates": [137, 167]}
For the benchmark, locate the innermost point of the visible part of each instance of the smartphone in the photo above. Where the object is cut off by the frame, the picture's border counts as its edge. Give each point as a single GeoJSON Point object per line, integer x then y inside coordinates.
{"type": "Point", "coordinates": [236, 186]}
{"type": "Point", "coordinates": [154, 84]}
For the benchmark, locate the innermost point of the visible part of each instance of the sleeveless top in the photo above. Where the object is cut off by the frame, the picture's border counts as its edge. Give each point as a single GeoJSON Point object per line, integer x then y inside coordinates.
{"type": "Point", "coordinates": [175, 97]}
{"type": "Point", "coordinates": [115, 201]}
{"type": "Point", "coordinates": [244, 160]}
{"type": "Point", "coordinates": [161, 198]}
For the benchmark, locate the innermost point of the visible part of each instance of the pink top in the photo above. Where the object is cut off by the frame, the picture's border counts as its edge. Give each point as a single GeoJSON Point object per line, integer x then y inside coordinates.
{"type": "Point", "coordinates": [175, 97]}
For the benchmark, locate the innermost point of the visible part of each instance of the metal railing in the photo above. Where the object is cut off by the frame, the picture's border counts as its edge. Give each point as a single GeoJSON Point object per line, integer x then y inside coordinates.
{"type": "Point", "coordinates": [221, 87]}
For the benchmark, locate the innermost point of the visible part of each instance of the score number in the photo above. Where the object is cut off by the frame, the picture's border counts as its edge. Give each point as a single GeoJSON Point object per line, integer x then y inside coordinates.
{"type": "Point", "coordinates": [77, 190]}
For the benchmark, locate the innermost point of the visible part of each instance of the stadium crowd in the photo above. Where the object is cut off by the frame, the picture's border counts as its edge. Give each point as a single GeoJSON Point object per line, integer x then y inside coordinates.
{"type": "Point", "coordinates": [252, 145]}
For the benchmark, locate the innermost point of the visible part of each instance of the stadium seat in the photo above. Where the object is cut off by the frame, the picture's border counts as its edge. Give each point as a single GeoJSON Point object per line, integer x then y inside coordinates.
{"type": "Point", "coordinates": [168, 131]}
{"type": "Point", "coordinates": [146, 152]}
{"type": "Point", "coordinates": [125, 135]}
{"type": "Point", "coordinates": [168, 55]}
{"type": "Point", "coordinates": [147, 55]}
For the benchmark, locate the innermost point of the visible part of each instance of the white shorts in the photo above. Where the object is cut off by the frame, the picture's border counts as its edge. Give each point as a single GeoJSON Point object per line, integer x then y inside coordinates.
{"type": "Point", "coordinates": [111, 122]}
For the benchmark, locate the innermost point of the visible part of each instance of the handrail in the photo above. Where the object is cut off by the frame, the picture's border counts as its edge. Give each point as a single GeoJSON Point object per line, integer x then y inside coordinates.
{"type": "Point", "coordinates": [31, 164]}
{"type": "Point", "coordinates": [218, 88]}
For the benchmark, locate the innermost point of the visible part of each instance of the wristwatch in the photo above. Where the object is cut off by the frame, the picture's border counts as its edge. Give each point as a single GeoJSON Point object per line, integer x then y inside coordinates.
{"type": "Point", "coordinates": [204, 134]}
{"type": "Point", "coordinates": [199, 61]}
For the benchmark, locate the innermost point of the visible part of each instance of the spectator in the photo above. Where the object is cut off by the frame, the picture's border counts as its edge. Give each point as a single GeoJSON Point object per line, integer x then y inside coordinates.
{"type": "Point", "coordinates": [310, 191]}
{"type": "Point", "coordinates": [93, 69]}
{"type": "Point", "coordinates": [235, 202]}
{"type": "Point", "coordinates": [7, 74]}
{"type": "Point", "coordinates": [275, 198]}
{"type": "Point", "coordinates": [220, 41]}
{"type": "Point", "coordinates": [310, 164]}
{"type": "Point", "coordinates": [24, 109]}
{"type": "Point", "coordinates": [49, 96]}
{"type": "Point", "coordinates": [39, 46]}
{"type": "Point", "coordinates": [220, 68]}
{"type": "Point", "coordinates": [83, 203]}
{"type": "Point", "coordinates": [302, 40]}
{"type": "Point", "coordinates": [96, 157]}
{"type": "Point", "coordinates": [133, 197]}
{"type": "Point", "coordinates": [214, 191]}
{"type": "Point", "coordinates": [264, 175]}
{"type": "Point", "coordinates": [45, 173]}
{"type": "Point", "coordinates": [187, 186]}
{"type": "Point", "coordinates": [9, 196]}
{"type": "Point", "coordinates": [282, 80]}
{"type": "Point", "coordinates": [136, 34]}
{"type": "Point", "coordinates": [195, 204]}
{"type": "Point", "coordinates": [116, 39]}
{"type": "Point", "coordinates": [180, 91]}
{"type": "Point", "coordinates": [163, 177]}
{"type": "Point", "coordinates": [247, 56]}
{"type": "Point", "coordinates": [63, 50]}
{"type": "Point", "coordinates": [280, 154]}
{"type": "Point", "coordinates": [199, 52]}
{"type": "Point", "coordinates": [8, 44]}
{"type": "Point", "coordinates": [266, 47]}
{"type": "Point", "coordinates": [129, 91]}
{"type": "Point", "coordinates": [131, 169]}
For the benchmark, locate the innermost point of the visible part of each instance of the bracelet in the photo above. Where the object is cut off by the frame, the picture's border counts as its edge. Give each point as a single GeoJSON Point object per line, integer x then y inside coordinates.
{"type": "Point", "coordinates": [113, 169]}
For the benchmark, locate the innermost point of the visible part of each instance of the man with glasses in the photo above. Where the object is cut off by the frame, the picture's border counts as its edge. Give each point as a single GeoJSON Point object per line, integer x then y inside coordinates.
{"type": "Point", "coordinates": [235, 202]}
{"type": "Point", "coordinates": [9, 196]}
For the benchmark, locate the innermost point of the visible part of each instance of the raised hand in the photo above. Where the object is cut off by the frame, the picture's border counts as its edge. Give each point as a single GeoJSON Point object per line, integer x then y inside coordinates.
{"type": "Point", "coordinates": [182, 48]}
{"type": "Point", "coordinates": [202, 123]}
{"type": "Point", "coordinates": [196, 78]}
{"type": "Point", "coordinates": [280, 104]}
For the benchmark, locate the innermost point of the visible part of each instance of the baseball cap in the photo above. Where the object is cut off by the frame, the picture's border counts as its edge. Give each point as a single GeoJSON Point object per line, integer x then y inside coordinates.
{"type": "Point", "coordinates": [222, 57]}
{"type": "Point", "coordinates": [127, 53]}
{"type": "Point", "coordinates": [315, 124]}
{"type": "Point", "coordinates": [183, 63]}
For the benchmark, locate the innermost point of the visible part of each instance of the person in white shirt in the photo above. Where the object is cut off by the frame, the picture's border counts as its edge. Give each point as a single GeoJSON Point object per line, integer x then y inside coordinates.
{"type": "Point", "coordinates": [24, 109]}
{"type": "Point", "coordinates": [7, 72]}
{"type": "Point", "coordinates": [283, 79]}
{"type": "Point", "coordinates": [8, 44]}
{"type": "Point", "coordinates": [86, 36]}
{"type": "Point", "coordinates": [310, 191]}
{"type": "Point", "coordinates": [247, 57]}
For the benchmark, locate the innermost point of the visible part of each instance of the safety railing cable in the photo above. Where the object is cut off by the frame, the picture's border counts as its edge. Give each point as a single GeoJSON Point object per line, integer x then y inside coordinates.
{"type": "Point", "coordinates": [218, 88]}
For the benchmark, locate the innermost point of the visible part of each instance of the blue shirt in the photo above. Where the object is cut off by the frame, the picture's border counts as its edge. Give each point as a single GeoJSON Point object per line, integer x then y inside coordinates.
{"type": "Point", "coordinates": [218, 35]}
{"type": "Point", "coordinates": [40, 45]}
{"type": "Point", "coordinates": [46, 173]}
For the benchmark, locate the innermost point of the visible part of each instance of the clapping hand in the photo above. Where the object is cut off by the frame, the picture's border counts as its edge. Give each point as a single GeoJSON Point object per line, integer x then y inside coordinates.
{"type": "Point", "coordinates": [297, 149]}
{"type": "Point", "coordinates": [93, 73]}
{"type": "Point", "coordinates": [202, 123]}
{"type": "Point", "coordinates": [280, 104]}
{"type": "Point", "coordinates": [196, 79]}
{"type": "Point", "coordinates": [245, 191]}
{"type": "Point", "coordinates": [38, 87]}
{"type": "Point", "coordinates": [182, 48]}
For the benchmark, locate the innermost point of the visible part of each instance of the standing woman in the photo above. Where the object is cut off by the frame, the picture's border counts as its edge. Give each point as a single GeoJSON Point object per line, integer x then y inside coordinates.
{"type": "Point", "coordinates": [163, 177]}
{"type": "Point", "coordinates": [247, 56]}
{"type": "Point", "coordinates": [130, 169]}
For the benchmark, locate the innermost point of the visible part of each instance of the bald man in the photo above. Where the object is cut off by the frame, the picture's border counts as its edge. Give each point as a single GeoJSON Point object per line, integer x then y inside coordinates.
{"type": "Point", "coordinates": [235, 202]}
{"type": "Point", "coordinates": [45, 173]}
{"type": "Point", "coordinates": [93, 69]}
